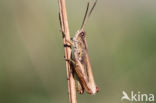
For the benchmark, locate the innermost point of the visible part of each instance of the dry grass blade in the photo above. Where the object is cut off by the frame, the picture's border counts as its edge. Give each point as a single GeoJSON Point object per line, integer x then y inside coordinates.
{"type": "Point", "coordinates": [67, 50]}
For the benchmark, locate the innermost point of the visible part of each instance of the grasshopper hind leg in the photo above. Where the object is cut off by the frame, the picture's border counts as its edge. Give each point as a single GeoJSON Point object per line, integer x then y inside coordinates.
{"type": "Point", "coordinates": [79, 86]}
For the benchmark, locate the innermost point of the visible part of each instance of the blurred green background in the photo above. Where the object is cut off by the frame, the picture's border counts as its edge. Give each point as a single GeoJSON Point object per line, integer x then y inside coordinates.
{"type": "Point", "coordinates": [121, 36]}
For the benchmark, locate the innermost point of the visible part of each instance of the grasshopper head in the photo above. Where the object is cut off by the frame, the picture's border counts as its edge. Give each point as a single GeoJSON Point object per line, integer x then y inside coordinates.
{"type": "Point", "coordinates": [80, 35]}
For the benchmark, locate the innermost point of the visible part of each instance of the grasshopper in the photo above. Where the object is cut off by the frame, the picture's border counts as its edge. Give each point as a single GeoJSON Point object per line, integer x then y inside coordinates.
{"type": "Point", "coordinates": [81, 62]}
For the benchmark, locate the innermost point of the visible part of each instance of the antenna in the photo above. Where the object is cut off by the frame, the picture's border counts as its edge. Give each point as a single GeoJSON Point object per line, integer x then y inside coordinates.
{"type": "Point", "coordinates": [84, 19]}
{"type": "Point", "coordinates": [87, 16]}
{"type": "Point", "coordinates": [92, 8]}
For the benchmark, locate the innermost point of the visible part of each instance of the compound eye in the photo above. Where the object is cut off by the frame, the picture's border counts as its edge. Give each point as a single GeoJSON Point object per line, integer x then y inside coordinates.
{"type": "Point", "coordinates": [82, 34]}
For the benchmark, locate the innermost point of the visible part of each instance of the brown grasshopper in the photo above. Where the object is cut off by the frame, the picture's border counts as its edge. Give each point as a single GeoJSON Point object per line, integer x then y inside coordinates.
{"type": "Point", "coordinates": [81, 62]}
